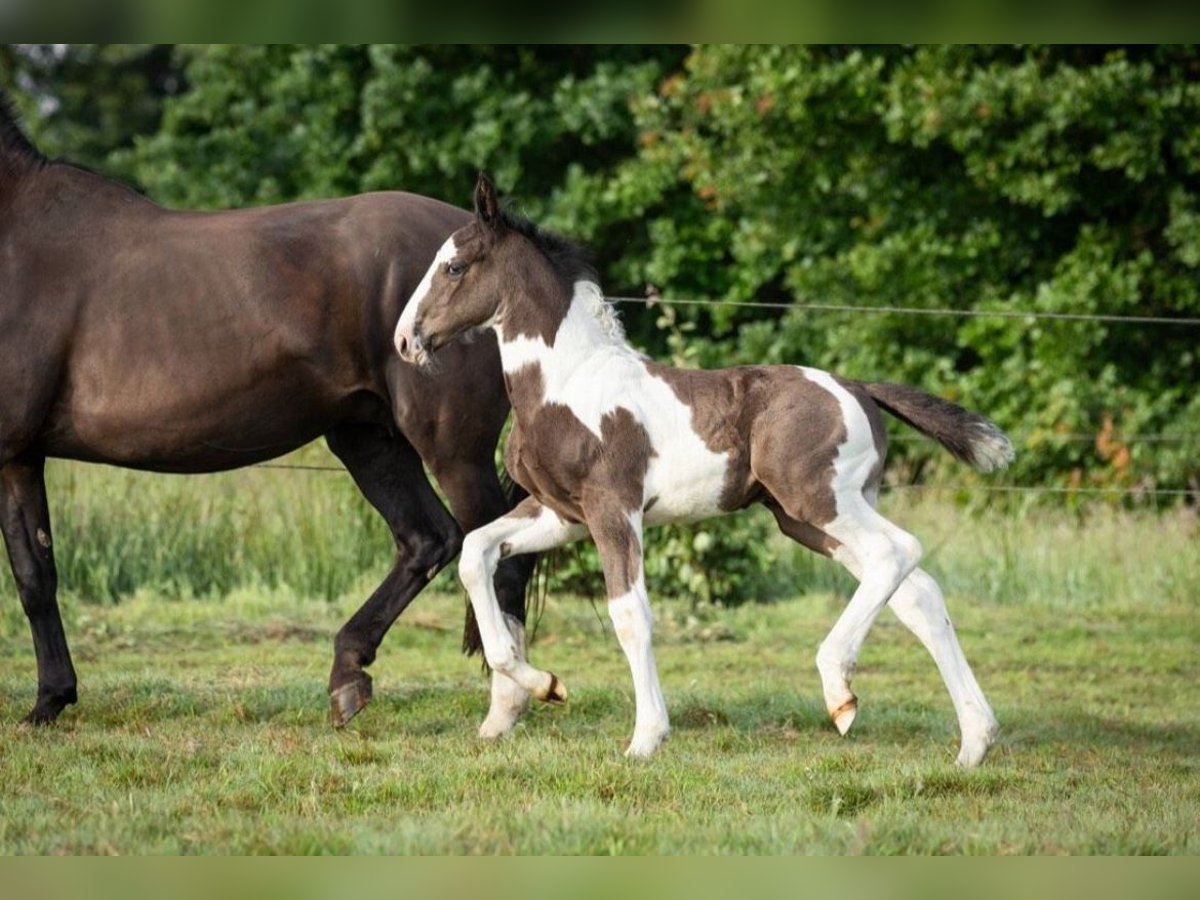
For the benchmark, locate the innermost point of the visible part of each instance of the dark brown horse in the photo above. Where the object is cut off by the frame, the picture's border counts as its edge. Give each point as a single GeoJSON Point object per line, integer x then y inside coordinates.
{"type": "Point", "coordinates": [179, 341]}
{"type": "Point", "coordinates": [607, 441]}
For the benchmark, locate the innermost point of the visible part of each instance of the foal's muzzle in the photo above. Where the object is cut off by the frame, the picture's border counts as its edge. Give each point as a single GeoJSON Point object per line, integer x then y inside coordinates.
{"type": "Point", "coordinates": [410, 346]}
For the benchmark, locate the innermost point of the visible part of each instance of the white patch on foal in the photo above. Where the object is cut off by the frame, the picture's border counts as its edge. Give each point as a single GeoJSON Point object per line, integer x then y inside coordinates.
{"type": "Point", "coordinates": [408, 318]}
{"type": "Point", "coordinates": [592, 371]}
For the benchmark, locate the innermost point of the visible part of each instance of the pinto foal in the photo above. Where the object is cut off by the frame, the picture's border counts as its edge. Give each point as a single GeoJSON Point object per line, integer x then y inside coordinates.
{"type": "Point", "coordinates": [607, 441]}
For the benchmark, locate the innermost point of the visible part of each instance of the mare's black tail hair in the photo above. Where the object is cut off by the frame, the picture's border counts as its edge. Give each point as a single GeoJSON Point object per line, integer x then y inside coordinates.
{"type": "Point", "coordinates": [14, 143]}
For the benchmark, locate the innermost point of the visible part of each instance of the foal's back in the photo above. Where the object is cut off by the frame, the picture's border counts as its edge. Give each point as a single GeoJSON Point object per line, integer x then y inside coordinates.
{"type": "Point", "coordinates": [771, 424]}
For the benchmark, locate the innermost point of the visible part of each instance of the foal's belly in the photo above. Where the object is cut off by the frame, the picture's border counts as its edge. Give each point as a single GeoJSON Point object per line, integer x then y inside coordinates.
{"type": "Point", "coordinates": [685, 485]}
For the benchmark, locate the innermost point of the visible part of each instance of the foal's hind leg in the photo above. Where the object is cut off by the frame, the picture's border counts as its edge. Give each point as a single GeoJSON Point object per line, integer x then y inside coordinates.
{"type": "Point", "coordinates": [880, 555]}
{"type": "Point", "coordinates": [919, 604]}
{"type": "Point", "coordinates": [25, 521]}
{"type": "Point", "coordinates": [389, 473]}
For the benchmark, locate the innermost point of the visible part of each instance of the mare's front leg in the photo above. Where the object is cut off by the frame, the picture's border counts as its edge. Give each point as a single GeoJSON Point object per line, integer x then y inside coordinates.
{"type": "Point", "coordinates": [529, 528]}
{"type": "Point", "coordinates": [618, 536]}
{"type": "Point", "coordinates": [25, 521]}
{"type": "Point", "coordinates": [454, 421]}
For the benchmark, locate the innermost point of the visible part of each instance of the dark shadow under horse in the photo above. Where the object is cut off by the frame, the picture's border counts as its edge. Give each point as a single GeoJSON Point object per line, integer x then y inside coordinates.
{"type": "Point", "coordinates": [190, 342]}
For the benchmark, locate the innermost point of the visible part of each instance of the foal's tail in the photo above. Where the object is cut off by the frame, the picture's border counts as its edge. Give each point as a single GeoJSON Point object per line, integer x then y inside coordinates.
{"type": "Point", "coordinates": [974, 439]}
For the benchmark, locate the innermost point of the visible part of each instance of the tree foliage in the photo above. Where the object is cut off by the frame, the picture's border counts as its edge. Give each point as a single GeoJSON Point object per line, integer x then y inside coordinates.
{"type": "Point", "coordinates": [1030, 179]}
{"type": "Point", "coordinates": [1054, 180]}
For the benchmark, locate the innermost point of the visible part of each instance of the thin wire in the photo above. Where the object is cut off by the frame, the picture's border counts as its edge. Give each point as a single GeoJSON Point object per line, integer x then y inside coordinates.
{"type": "Point", "coordinates": [914, 311]}
{"type": "Point", "coordinates": [296, 466]}
{"type": "Point", "coordinates": [1178, 438]}
{"type": "Point", "coordinates": [989, 488]}
{"type": "Point", "coordinates": [1035, 489]}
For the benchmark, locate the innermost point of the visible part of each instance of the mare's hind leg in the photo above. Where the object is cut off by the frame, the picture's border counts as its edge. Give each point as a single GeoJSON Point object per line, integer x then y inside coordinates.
{"type": "Point", "coordinates": [25, 521]}
{"type": "Point", "coordinates": [919, 604]}
{"type": "Point", "coordinates": [389, 473]}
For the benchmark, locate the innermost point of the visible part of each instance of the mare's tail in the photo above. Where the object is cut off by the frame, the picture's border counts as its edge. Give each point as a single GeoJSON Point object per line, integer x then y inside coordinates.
{"type": "Point", "coordinates": [974, 439]}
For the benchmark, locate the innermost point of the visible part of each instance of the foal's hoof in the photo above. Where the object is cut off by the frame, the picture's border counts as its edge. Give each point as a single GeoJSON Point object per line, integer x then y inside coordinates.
{"type": "Point", "coordinates": [556, 692]}
{"type": "Point", "coordinates": [843, 716]}
{"type": "Point", "coordinates": [347, 701]}
{"type": "Point", "coordinates": [975, 746]}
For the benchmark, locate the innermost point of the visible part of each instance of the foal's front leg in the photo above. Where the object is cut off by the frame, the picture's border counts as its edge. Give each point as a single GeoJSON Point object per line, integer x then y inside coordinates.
{"type": "Point", "coordinates": [529, 528]}
{"type": "Point", "coordinates": [618, 536]}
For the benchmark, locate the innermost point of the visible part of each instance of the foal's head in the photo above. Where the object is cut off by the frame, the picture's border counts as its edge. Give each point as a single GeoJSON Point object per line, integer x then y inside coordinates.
{"type": "Point", "coordinates": [482, 271]}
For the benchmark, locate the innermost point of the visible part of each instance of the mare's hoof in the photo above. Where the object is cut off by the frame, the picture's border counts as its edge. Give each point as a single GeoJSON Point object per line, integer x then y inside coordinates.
{"type": "Point", "coordinates": [556, 692]}
{"type": "Point", "coordinates": [347, 701]}
{"type": "Point", "coordinates": [46, 710]}
{"type": "Point", "coordinates": [843, 716]}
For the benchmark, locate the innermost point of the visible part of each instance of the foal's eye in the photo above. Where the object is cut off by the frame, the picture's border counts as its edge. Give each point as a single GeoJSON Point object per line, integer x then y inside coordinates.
{"type": "Point", "coordinates": [456, 269]}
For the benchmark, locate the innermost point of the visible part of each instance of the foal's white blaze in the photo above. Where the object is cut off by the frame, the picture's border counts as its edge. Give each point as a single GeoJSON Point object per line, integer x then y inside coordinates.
{"type": "Point", "coordinates": [408, 318]}
{"type": "Point", "coordinates": [592, 371]}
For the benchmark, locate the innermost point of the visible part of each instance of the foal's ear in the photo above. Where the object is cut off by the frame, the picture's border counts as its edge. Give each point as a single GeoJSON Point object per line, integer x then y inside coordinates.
{"type": "Point", "coordinates": [487, 204]}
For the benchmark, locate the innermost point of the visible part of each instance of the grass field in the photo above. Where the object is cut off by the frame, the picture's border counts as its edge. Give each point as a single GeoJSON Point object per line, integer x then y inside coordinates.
{"type": "Point", "coordinates": [202, 723]}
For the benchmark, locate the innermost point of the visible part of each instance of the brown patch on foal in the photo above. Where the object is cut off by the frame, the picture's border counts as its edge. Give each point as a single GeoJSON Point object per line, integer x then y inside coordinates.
{"type": "Point", "coordinates": [534, 277]}
{"type": "Point", "coordinates": [582, 477]}
{"type": "Point", "coordinates": [781, 432]}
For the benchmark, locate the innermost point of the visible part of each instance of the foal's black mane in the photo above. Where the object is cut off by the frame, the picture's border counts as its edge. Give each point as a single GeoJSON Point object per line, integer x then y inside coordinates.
{"type": "Point", "coordinates": [13, 142]}
{"type": "Point", "coordinates": [573, 261]}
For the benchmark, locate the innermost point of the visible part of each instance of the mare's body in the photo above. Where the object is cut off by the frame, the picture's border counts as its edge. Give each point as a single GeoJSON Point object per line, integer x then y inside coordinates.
{"type": "Point", "coordinates": [188, 342]}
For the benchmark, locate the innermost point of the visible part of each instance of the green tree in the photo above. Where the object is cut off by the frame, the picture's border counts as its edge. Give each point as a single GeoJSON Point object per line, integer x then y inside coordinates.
{"type": "Point", "coordinates": [1061, 180]}
{"type": "Point", "coordinates": [1057, 180]}
{"type": "Point", "coordinates": [87, 101]}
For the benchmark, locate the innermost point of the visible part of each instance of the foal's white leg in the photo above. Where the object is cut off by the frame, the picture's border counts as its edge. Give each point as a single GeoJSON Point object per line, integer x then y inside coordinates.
{"type": "Point", "coordinates": [880, 555]}
{"type": "Point", "coordinates": [509, 699]}
{"type": "Point", "coordinates": [530, 528]}
{"type": "Point", "coordinates": [618, 536]}
{"type": "Point", "coordinates": [633, 622]}
{"type": "Point", "coordinates": [919, 604]}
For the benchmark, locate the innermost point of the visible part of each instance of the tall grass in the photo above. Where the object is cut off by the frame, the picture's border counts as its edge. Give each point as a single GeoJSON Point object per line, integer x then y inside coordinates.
{"type": "Point", "coordinates": [118, 531]}
{"type": "Point", "coordinates": [312, 534]}
{"type": "Point", "coordinates": [202, 724]}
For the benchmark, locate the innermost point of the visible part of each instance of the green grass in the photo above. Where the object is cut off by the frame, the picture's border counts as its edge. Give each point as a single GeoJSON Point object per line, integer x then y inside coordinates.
{"type": "Point", "coordinates": [202, 722]}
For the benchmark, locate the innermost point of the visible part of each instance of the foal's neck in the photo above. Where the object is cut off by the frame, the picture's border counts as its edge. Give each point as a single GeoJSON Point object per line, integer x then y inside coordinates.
{"type": "Point", "coordinates": [570, 327]}
{"type": "Point", "coordinates": [551, 342]}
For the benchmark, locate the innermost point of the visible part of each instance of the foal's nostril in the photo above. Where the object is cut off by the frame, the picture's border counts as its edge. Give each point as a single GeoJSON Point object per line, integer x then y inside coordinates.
{"type": "Point", "coordinates": [402, 346]}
